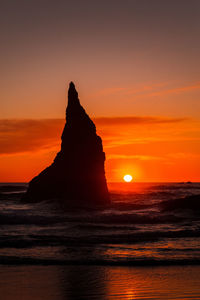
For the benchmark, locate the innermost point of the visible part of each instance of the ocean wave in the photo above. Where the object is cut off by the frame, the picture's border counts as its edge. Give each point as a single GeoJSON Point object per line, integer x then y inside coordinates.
{"type": "Point", "coordinates": [78, 240]}
{"type": "Point", "coordinates": [191, 203]}
{"type": "Point", "coordinates": [112, 218]}
{"type": "Point", "coordinates": [13, 260]}
{"type": "Point", "coordinates": [161, 223]}
{"type": "Point", "coordinates": [12, 188]}
{"type": "Point", "coordinates": [176, 186]}
{"type": "Point", "coordinates": [29, 219]}
{"type": "Point", "coordinates": [11, 196]}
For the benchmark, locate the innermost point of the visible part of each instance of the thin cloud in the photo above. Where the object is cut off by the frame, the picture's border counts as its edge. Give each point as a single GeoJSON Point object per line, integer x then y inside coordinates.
{"type": "Point", "coordinates": [26, 135]}
{"type": "Point", "coordinates": [135, 157]}
{"type": "Point", "coordinates": [18, 136]}
{"type": "Point", "coordinates": [177, 90]}
{"type": "Point", "coordinates": [133, 90]}
{"type": "Point", "coordinates": [151, 90]}
{"type": "Point", "coordinates": [136, 120]}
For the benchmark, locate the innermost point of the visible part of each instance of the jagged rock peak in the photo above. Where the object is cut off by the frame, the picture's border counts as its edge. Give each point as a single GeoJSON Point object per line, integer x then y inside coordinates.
{"type": "Point", "coordinates": [76, 117]}
{"type": "Point", "coordinates": [72, 85]}
{"type": "Point", "coordinates": [72, 95]}
{"type": "Point", "coordinates": [77, 176]}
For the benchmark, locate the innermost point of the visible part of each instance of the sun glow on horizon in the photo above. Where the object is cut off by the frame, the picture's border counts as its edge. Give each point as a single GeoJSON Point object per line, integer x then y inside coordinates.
{"type": "Point", "coordinates": [128, 178]}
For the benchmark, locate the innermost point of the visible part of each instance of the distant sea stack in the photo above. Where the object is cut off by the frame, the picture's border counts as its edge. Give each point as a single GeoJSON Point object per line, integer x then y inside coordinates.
{"type": "Point", "coordinates": [77, 175]}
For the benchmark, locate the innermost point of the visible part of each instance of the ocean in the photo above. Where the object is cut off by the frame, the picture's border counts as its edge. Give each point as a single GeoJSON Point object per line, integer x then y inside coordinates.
{"type": "Point", "coordinates": [145, 246]}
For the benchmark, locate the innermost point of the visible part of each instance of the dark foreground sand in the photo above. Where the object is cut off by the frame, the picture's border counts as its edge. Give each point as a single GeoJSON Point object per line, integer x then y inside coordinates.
{"type": "Point", "coordinates": [99, 282]}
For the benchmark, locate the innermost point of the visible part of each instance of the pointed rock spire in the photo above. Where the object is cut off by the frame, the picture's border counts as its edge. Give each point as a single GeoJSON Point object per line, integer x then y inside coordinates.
{"type": "Point", "coordinates": [72, 95]}
{"type": "Point", "coordinates": [77, 175]}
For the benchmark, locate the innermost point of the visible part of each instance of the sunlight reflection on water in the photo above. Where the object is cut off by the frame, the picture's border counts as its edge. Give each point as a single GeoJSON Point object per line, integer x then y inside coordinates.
{"type": "Point", "coordinates": [99, 282]}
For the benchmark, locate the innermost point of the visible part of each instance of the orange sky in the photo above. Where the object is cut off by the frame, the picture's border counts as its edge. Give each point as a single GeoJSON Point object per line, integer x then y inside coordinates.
{"type": "Point", "coordinates": [149, 148]}
{"type": "Point", "coordinates": [136, 67]}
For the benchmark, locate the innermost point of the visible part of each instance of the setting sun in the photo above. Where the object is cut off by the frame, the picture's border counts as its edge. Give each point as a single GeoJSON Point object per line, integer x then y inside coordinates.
{"type": "Point", "coordinates": [128, 178]}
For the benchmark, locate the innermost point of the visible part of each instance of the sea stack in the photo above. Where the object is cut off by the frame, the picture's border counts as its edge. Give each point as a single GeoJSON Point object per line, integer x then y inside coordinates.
{"type": "Point", "coordinates": [77, 174]}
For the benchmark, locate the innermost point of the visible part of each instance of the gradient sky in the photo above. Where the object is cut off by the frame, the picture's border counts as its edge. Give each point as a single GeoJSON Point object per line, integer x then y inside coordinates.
{"type": "Point", "coordinates": [136, 66]}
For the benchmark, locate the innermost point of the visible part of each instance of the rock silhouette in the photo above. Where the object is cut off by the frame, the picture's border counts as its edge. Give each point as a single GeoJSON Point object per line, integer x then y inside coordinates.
{"type": "Point", "coordinates": [77, 175]}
